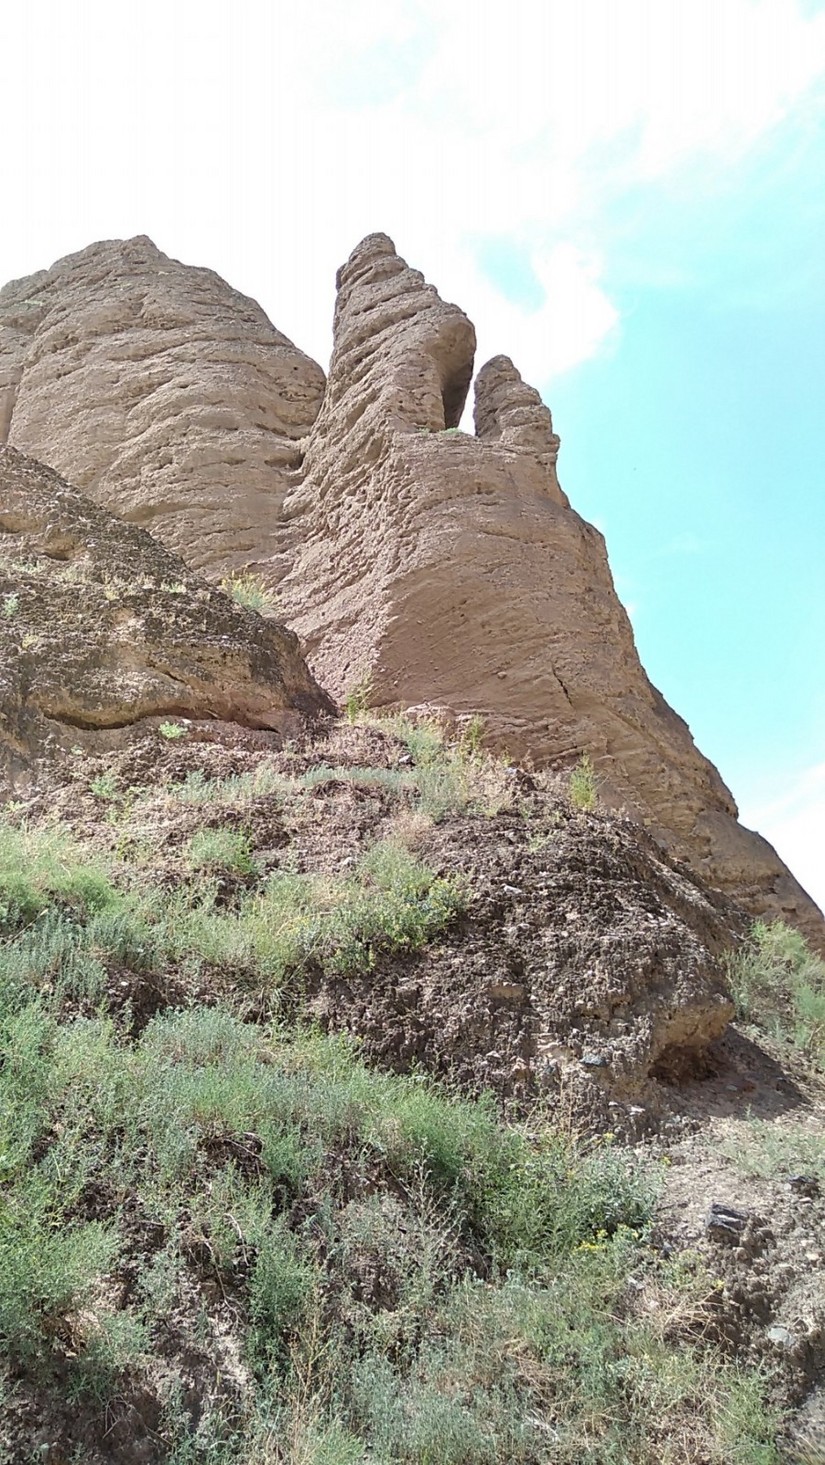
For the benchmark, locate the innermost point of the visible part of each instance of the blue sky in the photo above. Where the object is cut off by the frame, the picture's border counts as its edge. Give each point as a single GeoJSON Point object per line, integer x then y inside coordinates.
{"type": "Point", "coordinates": [627, 198]}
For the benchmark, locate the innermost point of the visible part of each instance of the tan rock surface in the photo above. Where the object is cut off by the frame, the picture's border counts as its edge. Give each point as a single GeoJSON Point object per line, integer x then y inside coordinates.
{"type": "Point", "coordinates": [446, 568]}
{"type": "Point", "coordinates": [101, 627]}
{"type": "Point", "coordinates": [450, 569]}
{"type": "Point", "coordinates": [162, 392]}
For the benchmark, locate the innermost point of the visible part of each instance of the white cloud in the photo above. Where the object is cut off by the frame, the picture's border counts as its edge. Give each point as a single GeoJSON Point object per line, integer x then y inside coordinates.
{"type": "Point", "coordinates": [794, 822]}
{"type": "Point", "coordinates": [266, 138]}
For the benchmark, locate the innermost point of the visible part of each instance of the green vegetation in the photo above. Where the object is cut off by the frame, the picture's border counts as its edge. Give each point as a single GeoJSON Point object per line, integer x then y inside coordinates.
{"type": "Point", "coordinates": [11, 605]}
{"type": "Point", "coordinates": [171, 731]}
{"type": "Point", "coordinates": [768, 1149]}
{"type": "Point", "coordinates": [104, 786]}
{"type": "Point", "coordinates": [357, 699]}
{"type": "Point", "coordinates": [584, 789]}
{"type": "Point", "coordinates": [250, 591]}
{"type": "Point", "coordinates": [778, 984]}
{"type": "Point", "coordinates": [221, 849]}
{"type": "Point", "coordinates": [453, 776]}
{"type": "Point", "coordinates": [411, 1279]}
{"type": "Point", "coordinates": [302, 1260]}
{"type": "Point", "coordinates": [390, 901]}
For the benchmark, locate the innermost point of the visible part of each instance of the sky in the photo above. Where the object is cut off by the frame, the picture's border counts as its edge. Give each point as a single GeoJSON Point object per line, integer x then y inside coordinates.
{"type": "Point", "coordinates": [626, 196]}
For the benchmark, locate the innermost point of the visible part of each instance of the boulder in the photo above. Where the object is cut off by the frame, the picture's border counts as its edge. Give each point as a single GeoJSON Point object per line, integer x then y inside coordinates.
{"type": "Point", "coordinates": [101, 627]}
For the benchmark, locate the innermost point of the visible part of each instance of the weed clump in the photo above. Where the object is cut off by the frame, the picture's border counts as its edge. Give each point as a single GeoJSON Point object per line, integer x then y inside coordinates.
{"type": "Point", "coordinates": [249, 591]}
{"type": "Point", "coordinates": [583, 786]}
{"type": "Point", "coordinates": [778, 984]}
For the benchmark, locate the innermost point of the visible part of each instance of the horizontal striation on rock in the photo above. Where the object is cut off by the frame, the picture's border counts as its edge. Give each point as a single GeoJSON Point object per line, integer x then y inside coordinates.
{"type": "Point", "coordinates": [445, 567]}
{"type": "Point", "coordinates": [160, 391]}
{"type": "Point", "coordinates": [449, 569]}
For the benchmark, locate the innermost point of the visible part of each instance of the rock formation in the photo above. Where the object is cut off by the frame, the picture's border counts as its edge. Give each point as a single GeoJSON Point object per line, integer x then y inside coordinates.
{"type": "Point", "coordinates": [101, 627]}
{"type": "Point", "coordinates": [160, 391]}
{"type": "Point", "coordinates": [441, 567]}
{"type": "Point", "coordinates": [450, 569]}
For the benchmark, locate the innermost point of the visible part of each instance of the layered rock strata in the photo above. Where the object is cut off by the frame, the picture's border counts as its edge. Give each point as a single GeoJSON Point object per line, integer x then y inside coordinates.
{"type": "Point", "coordinates": [438, 566]}
{"type": "Point", "coordinates": [160, 391]}
{"type": "Point", "coordinates": [446, 568]}
{"type": "Point", "coordinates": [101, 627]}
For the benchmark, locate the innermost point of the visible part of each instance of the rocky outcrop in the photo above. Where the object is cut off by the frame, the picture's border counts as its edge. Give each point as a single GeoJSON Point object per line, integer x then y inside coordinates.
{"type": "Point", "coordinates": [438, 566]}
{"type": "Point", "coordinates": [586, 966]}
{"type": "Point", "coordinates": [161, 392]}
{"type": "Point", "coordinates": [448, 568]}
{"type": "Point", "coordinates": [101, 627]}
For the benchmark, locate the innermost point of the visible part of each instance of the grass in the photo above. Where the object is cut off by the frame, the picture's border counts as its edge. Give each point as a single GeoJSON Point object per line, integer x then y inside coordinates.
{"type": "Point", "coordinates": [221, 849]}
{"type": "Point", "coordinates": [357, 699]}
{"type": "Point", "coordinates": [412, 1279]}
{"type": "Point", "coordinates": [250, 591]}
{"type": "Point", "coordinates": [453, 776]}
{"type": "Point", "coordinates": [768, 1150]}
{"type": "Point", "coordinates": [302, 1260]}
{"type": "Point", "coordinates": [583, 786]}
{"type": "Point", "coordinates": [778, 984]}
{"type": "Point", "coordinates": [390, 901]}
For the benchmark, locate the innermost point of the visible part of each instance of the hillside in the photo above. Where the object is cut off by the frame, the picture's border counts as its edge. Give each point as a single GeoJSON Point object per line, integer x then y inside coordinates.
{"type": "Point", "coordinates": [393, 1074]}
{"type": "Point", "coordinates": [366, 1098]}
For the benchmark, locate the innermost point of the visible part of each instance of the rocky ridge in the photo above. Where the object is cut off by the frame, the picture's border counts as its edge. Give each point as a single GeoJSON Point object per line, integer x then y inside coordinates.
{"type": "Point", "coordinates": [436, 566]}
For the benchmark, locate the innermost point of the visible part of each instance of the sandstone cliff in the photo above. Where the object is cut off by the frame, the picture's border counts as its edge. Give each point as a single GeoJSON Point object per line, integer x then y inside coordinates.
{"type": "Point", "coordinates": [450, 569]}
{"type": "Point", "coordinates": [101, 627]}
{"type": "Point", "coordinates": [160, 391]}
{"type": "Point", "coordinates": [443, 567]}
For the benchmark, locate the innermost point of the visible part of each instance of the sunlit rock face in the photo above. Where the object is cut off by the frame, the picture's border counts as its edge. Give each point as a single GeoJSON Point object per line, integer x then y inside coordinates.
{"type": "Point", "coordinates": [450, 569]}
{"type": "Point", "coordinates": [160, 391]}
{"type": "Point", "coordinates": [439, 566]}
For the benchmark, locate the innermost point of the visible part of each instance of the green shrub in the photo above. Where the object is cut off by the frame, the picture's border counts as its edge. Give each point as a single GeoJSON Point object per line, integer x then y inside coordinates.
{"type": "Point", "coordinates": [584, 792]}
{"type": "Point", "coordinates": [39, 868]}
{"type": "Point", "coordinates": [221, 849]}
{"type": "Point", "coordinates": [357, 699]}
{"type": "Point", "coordinates": [778, 984]}
{"type": "Point", "coordinates": [104, 786]}
{"type": "Point", "coordinates": [47, 1269]}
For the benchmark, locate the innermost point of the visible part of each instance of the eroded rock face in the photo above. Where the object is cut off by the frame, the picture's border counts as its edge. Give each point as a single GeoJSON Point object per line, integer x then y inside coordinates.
{"type": "Point", "coordinates": [160, 391]}
{"type": "Point", "coordinates": [445, 568]}
{"type": "Point", "coordinates": [101, 627]}
{"type": "Point", "coordinates": [450, 569]}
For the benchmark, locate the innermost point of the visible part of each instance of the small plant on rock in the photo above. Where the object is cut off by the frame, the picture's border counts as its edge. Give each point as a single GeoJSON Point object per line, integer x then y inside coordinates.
{"type": "Point", "coordinates": [172, 731]}
{"type": "Point", "coordinates": [584, 792]}
{"type": "Point", "coordinates": [250, 591]}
